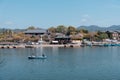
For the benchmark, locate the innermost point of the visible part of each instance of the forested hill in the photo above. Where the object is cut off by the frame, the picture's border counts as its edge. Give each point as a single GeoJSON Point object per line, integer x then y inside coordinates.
{"type": "Point", "coordinates": [98, 28]}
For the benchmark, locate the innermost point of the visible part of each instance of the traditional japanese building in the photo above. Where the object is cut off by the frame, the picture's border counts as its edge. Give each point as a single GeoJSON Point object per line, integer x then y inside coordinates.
{"type": "Point", "coordinates": [63, 39]}
{"type": "Point", "coordinates": [36, 32]}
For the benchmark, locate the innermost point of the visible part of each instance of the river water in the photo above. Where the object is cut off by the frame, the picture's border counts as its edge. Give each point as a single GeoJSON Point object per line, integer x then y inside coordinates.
{"type": "Point", "coordinates": [84, 63]}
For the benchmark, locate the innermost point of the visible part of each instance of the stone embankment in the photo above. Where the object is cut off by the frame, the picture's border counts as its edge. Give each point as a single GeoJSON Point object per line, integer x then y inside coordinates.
{"type": "Point", "coordinates": [37, 46]}
{"type": "Point", "coordinates": [12, 46]}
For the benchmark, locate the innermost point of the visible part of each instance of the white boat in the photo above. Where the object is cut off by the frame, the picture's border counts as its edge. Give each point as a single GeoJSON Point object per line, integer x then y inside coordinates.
{"type": "Point", "coordinates": [38, 57]}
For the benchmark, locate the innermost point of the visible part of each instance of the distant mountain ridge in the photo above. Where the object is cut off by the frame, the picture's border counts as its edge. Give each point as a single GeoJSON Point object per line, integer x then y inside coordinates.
{"type": "Point", "coordinates": [98, 28]}
{"type": "Point", "coordinates": [91, 28]}
{"type": "Point", "coordinates": [14, 30]}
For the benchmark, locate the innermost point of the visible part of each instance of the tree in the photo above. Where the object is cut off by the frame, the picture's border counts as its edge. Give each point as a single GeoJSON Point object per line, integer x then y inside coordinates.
{"type": "Point", "coordinates": [90, 36]}
{"type": "Point", "coordinates": [101, 35]}
{"type": "Point", "coordinates": [61, 29]}
{"type": "Point", "coordinates": [83, 31]}
{"type": "Point", "coordinates": [31, 28]}
{"type": "Point", "coordinates": [87, 36]}
{"type": "Point", "coordinates": [18, 37]}
{"type": "Point", "coordinates": [71, 30]}
{"type": "Point", "coordinates": [109, 34]}
{"type": "Point", "coordinates": [52, 29]}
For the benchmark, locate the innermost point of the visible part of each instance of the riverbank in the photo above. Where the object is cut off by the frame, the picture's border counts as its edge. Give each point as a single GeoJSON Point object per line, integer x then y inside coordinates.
{"type": "Point", "coordinates": [37, 46]}
{"type": "Point", "coordinates": [29, 46]}
{"type": "Point", "coordinates": [55, 45]}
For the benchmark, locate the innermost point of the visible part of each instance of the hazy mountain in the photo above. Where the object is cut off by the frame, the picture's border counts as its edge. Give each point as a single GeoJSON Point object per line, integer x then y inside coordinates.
{"type": "Point", "coordinates": [14, 30]}
{"type": "Point", "coordinates": [114, 27]}
{"type": "Point", "coordinates": [18, 30]}
{"type": "Point", "coordinates": [97, 28]}
{"type": "Point", "coordinates": [89, 28]}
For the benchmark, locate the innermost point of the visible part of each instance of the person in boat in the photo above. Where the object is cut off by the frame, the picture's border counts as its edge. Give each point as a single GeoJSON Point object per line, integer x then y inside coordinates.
{"type": "Point", "coordinates": [43, 55]}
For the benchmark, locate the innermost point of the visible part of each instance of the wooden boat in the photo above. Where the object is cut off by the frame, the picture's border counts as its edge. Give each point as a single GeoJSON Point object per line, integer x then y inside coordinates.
{"type": "Point", "coordinates": [37, 57]}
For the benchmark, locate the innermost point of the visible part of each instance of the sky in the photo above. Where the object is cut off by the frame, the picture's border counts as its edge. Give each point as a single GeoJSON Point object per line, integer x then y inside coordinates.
{"type": "Point", "coordinates": [51, 13]}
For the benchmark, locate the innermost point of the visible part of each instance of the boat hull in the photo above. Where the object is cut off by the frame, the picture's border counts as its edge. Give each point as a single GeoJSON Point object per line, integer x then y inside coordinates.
{"type": "Point", "coordinates": [37, 57]}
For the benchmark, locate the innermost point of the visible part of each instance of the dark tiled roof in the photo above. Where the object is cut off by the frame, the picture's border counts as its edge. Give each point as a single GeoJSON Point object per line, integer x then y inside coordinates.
{"type": "Point", "coordinates": [59, 34]}
{"type": "Point", "coordinates": [114, 31]}
{"type": "Point", "coordinates": [36, 31]}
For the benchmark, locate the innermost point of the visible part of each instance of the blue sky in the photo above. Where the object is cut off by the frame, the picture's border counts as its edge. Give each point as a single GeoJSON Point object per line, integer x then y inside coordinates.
{"type": "Point", "coordinates": [47, 13]}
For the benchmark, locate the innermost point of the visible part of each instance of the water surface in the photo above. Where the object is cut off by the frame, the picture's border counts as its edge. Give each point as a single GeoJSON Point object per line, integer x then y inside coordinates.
{"type": "Point", "coordinates": [87, 63]}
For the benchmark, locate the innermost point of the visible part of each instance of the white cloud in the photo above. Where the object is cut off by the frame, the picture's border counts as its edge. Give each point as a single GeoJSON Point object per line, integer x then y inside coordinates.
{"type": "Point", "coordinates": [83, 20]}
